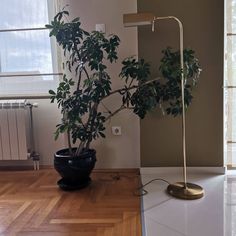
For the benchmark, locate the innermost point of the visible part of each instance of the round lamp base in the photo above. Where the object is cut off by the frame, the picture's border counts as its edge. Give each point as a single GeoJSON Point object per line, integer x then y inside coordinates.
{"type": "Point", "coordinates": [188, 192]}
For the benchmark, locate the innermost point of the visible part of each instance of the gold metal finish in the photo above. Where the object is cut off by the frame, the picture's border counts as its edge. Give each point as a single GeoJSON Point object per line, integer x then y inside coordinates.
{"type": "Point", "coordinates": [186, 191]}
{"type": "Point", "coordinates": [136, 19]}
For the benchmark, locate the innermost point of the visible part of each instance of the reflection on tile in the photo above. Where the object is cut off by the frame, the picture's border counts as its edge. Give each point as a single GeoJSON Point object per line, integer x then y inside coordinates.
{"type": "Point", "coordinates": [155, 228]}
{"type": "Point", "coordinates": [212, 215]}
{"type": "Point", "coordinates": [230, 206]}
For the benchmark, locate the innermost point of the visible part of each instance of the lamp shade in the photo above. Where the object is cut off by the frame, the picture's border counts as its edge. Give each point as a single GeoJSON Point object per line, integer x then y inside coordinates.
{"type": "Point", "coordinates": [136, 19]}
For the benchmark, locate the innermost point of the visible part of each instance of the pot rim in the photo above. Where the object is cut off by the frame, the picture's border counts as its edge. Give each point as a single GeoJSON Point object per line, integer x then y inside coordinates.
{"type": "Point", "coordinates": [85, 153]}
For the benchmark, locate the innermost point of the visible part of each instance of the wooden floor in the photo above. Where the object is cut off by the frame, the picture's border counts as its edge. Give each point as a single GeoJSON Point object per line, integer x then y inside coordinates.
{"type": "Point", "coordinates": [32, 204]}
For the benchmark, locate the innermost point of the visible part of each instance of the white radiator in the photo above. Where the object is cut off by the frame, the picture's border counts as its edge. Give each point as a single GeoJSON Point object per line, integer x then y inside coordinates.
{"type": "Point", "coordinates": [13, 138]}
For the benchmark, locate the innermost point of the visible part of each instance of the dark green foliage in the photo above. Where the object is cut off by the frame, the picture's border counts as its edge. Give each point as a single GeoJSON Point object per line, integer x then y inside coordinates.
{"type": "Point", "coordinates": [146, 95]}
{"type": "Point", "coordinates": [171, 88]}
{"type": "Point", "coordinates": [146, 98]}
{"type": "Point", "coordinates": [135, 70]}
{"type": "Point", "coordinates": [86, 51]}
{"type": "Point", "coordinates": [80, 99]}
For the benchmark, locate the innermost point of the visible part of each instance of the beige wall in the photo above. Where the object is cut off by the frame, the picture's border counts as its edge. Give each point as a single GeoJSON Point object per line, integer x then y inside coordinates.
{"type": "Point", "coordinates": [203, 31]}
{"type": "Point", "coordinates": [114, 151]}
{"type": "Point", "coordinates": [160, 136]}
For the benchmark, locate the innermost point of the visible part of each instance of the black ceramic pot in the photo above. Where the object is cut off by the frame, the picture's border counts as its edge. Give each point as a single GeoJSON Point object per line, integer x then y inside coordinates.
{"type": "Point", "coordinates": [75, 171]}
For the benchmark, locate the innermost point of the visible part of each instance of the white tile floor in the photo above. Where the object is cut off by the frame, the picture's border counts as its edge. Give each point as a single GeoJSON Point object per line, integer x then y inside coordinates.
{"type": "Point", "coordinates": [212, 215]}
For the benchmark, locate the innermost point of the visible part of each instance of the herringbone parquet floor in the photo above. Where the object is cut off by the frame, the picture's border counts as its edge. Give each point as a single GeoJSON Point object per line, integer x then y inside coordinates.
{"type": "Point", "coordinates": [32, 204]}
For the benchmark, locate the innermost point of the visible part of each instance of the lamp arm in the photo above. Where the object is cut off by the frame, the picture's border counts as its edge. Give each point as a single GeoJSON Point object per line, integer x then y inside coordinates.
{"type": "Point", "coordinates": [181, 47]}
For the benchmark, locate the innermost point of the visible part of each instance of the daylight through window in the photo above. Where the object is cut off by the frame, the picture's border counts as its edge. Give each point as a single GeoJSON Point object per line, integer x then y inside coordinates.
{"type": "Point", "coordinates": [28, 61]}
{"type": "Point", "coordinates": [230, 84]}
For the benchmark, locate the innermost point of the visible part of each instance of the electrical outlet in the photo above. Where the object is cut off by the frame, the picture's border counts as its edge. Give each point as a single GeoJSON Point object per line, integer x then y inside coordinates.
{"type": "Point", "coordinates": [116, 130]}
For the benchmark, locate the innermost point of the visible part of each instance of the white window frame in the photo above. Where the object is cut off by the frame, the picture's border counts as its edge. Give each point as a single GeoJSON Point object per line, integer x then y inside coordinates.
{"type": "Point", "coordinates": [229, 143]}
{"type": "Point", "coordinates": [55, 53]}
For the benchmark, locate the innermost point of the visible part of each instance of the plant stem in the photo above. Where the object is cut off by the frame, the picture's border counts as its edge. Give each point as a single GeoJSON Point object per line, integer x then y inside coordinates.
{"type": "Point", "coordinates": [91, 119]}
{"type": "Point", "coordinates": [86, 72]}
{"type": "Point", "coordinates": [81, 145]}
{"type": "Point", "coordinates": [107, 109]}
{"type": "Point", "coordinates": [93, 116]}
{"type": "Point", "coordinates": [87, 144]}
{"type": "Point", "coordinates": [131, 82]}
{"type": "Point", "coordinates": [69, 142]}
{"type": "Point", "coordinates": [79, 149]}
{"type": "Point", "coordinates": [80, 75]}
{"type": "Point", "coordinates": [122, 107]}
{"type": "Point", "coordinates": [130, 88]}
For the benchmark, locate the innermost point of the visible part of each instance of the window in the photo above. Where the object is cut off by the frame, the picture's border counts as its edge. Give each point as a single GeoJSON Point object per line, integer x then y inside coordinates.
{"type": "Point", "coordinates": [230, 83]}
{"type": "Point", "coordinates": [28, 61]}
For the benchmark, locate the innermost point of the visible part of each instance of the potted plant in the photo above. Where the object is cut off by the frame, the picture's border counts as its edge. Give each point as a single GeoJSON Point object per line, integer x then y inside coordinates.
{"type": "Point", "coordinates": [81, 98]}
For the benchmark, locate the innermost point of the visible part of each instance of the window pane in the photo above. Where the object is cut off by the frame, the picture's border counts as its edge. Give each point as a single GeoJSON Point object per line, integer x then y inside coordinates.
{"type": "Point", "coordinates": [28, 85]}
{"type": "Point", "coordinates": [231, 16]}
{"type": "Point", "coordinates": [231, 61]}
{"type": "Point", "coordinates": [22, 51]}
{"type": "Point", "coordinates": [27, 52]}
{"type": "Point", "coordinates": [231, 154]}
{"type": "Point", "coordinates": [23, 13]}
{"type": "Point", "coordinates": [231, 98]}
{"type": "Point", "coordinates": [230, 80]}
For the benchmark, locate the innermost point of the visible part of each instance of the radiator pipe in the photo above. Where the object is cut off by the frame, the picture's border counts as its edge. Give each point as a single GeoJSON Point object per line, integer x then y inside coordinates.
{"type": "Point", "coordinates": [33, 154]}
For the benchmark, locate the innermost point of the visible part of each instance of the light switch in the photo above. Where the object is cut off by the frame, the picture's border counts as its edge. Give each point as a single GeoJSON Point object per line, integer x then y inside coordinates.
{"type": "Point", "coordinates": [101, 28]}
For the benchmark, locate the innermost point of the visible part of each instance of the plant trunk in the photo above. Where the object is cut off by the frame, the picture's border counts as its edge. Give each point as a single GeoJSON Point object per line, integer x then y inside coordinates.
{"type": "Point", "coordinates": [80, 148]}
{"type": "Point", "coordinates": [87, 144]}
{"type": "Point", "coordinates": [69, 142]}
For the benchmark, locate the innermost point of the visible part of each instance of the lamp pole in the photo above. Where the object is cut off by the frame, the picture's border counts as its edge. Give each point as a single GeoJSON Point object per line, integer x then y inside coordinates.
{"type": "Point", "coordinates": [183, 189]}
{"type": "Point", "coordinates": [181, 48]}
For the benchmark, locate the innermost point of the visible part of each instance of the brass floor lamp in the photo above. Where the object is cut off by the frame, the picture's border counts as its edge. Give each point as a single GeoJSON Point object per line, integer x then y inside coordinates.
{"type": "Point", "coordinates": [183, 190]}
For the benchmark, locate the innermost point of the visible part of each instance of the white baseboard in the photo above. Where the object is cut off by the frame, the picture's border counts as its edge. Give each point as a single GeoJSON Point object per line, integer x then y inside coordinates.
{"type": "Point", "coordinates": [195, 170]}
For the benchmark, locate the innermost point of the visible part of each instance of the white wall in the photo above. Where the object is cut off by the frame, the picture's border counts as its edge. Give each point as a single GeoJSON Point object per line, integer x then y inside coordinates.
{"type": "Point", "coordinates": [114, 151]}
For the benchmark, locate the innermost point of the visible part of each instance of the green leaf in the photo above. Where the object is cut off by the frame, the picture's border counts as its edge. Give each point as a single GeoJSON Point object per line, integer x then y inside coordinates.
{"type": "Point", "coordinates": [51, 92]}
{"type": "Point", "coordinates": [49, 26]}
{"type": "Point", "coordinates": [102, 135]}
{"type": "Point", "coordinates": [76, 20]}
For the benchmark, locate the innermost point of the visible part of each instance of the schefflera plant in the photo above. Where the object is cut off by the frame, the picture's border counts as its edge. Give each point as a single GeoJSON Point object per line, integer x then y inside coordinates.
{"type": "Point", "coordinates": [81, 99]}
{"type": "Point", "coordinates": [171, 74]}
